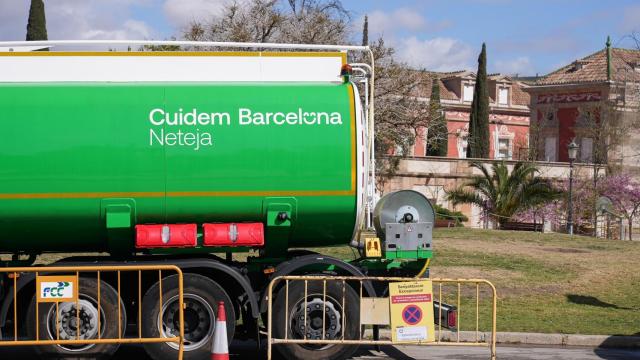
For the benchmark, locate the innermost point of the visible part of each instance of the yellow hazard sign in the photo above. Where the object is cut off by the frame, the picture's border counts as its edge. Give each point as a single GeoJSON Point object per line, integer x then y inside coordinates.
{"type": "Point", "coordinates": [411, 307]}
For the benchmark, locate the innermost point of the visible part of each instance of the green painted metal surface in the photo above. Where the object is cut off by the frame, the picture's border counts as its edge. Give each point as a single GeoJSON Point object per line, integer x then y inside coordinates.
{"type": "Point", "coordinates": [75, 158]}
{"type": "Point", "coordinates": [408, 254]}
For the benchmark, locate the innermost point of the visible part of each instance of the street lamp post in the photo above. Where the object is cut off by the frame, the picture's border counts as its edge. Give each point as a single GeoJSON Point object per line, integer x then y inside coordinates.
{"type": "Point", "coordinates": [573, 153]}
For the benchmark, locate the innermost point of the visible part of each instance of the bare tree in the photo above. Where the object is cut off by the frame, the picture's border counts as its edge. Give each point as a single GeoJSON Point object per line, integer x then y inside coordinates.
{"type": "Point", "coordinates": [536, 132]}
{"type": "Point", "coordinates": [609, 125]}
{"type": "Point", "coordinates": [316, 21]}
{"type": "Point", "coordinates": [399, 111]}
{"type": "Point", "coordinates": [302, 21]}
{"type": "Point", "coordinates": [599, 123]}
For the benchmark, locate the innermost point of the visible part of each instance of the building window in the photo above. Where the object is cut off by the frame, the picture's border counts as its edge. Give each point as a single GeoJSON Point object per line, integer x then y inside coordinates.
{"type": "Point", "coordinates": [467, 92]}
{"type": "Point", "coordinates": [503, 96]}
{"type": "Point", "coordinates": [550, 149]}
{"type": "Point", "coordinates": [586, 150]}
{"type": "Point", "coordinates": [504, 149]}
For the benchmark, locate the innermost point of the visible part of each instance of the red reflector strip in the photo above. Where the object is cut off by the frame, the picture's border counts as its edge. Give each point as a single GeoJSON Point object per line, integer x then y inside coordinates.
{"type": "Point", "coordinates": [452, 319]}
{"type": "Point", "coordinates": [166, 236]}
{"type": "Point", "coordinates": [234, 234]}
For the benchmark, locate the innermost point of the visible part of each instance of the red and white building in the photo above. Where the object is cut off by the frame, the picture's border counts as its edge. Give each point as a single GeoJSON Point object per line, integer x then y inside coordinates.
{"type": "Point", "coordinates": [508, 138]}
{"type": "Point", "coordinates": [535, 119]}
{"type": "Point", "coordinates": [601, 86]}
{"type": "Point", "coordinates": [508, 116]}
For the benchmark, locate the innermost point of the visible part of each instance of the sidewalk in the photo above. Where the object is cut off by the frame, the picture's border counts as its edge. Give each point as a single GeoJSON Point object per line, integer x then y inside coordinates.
{"type": "Point", "coordinates": [539, 339]}
{"type": "Point", "coordinates": [510, 352]}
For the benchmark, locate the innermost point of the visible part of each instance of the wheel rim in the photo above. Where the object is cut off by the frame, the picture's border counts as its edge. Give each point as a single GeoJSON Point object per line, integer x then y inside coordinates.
{"type": "Point", "coordinates": [68, 326]}
{"type": "Point", "coordinates": [199, 321]}
{"type": "Point", "coordinates": [313, 328]}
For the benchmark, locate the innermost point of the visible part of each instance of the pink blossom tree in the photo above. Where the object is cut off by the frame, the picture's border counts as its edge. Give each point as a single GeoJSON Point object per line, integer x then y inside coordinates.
{"type": "Point", "coordinates": [555, 212]}
{"type": "Point", "coordinates": [622, 189]}
{"type": "Point", "coordinates": [624, 192]}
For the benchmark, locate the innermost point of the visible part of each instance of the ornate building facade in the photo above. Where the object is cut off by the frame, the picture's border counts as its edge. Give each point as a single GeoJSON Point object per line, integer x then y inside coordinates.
{"type": "Point", "coordinates": [594, 101]}
{"type": "Point", "coordinates": [508, 117]}
{"type": "Point", "coordinates": [509, 136]}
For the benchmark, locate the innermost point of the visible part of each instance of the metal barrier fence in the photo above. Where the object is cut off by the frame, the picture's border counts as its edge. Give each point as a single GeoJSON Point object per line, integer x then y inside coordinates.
{"type": "Point", "coordinates": [68, 280]}
{"type": "Point", "coordinates": [357, 283]}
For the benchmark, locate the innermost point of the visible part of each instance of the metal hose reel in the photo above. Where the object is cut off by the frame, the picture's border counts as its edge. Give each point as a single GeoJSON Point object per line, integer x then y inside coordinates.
{"type": "Point", "coordinates": [404, 222]}
{"type": "Point", "coordinates": [404, 206]}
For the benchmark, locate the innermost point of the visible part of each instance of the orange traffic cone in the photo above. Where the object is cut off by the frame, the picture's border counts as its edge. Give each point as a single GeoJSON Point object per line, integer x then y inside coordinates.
{"type": "Point", "coordinates": [220, 348]}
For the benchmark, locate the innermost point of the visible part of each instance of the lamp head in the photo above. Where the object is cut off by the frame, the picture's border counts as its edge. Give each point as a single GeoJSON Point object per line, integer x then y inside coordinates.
{"type": "Point", "coordinates": [572, 150]}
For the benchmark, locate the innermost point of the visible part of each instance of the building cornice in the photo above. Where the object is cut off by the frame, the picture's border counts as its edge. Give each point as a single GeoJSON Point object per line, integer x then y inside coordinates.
{"type": "Point", "coordinates": [520, 110]}
{"type": "Point", "coordinates": [568, 86]}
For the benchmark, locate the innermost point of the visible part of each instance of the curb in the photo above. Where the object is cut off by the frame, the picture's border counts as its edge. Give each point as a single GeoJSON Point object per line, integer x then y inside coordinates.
{"type": "Point", "coordinates": [604, 341]}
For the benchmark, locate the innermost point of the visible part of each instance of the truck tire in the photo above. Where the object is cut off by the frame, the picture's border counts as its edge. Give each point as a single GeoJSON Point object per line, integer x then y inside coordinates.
{"type": "Point", "coordinates": [201, 296]}
{"type": "Point", "coordinates": [88, 295]}
{"type": "Point", "coordinates": [293, 327]}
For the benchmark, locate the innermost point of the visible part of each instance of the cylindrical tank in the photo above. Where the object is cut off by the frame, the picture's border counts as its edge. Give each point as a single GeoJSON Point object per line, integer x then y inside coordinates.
{"type": "Point", "coordinates": [175, 153]}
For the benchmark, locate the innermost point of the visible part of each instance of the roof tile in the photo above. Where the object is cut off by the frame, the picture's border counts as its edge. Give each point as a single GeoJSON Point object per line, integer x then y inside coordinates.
{"type": "Point", "coordinates": [593, 68]}
{"type": "Point", "coordinates": [518, 97]}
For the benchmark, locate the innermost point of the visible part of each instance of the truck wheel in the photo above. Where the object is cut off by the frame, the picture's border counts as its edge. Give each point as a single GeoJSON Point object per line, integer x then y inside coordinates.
{"type": "Point", "coordinates": [201, 296]}
{"type": "Point", "coordinates": [66, 324]}
{"type": "Point", "coordinates": [295, 328]}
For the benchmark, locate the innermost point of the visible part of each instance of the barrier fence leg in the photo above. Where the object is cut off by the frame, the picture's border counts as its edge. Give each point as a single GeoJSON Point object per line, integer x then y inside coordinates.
{"type": "Point", "coordinates": [493, 322]}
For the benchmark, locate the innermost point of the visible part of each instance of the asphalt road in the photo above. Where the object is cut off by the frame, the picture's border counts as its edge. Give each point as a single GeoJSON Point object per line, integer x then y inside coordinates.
{"type": "Point", "coordinates": [248, 351]}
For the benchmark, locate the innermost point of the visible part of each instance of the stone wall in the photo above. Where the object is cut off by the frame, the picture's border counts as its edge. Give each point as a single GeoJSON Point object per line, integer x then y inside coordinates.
{"type": "Point", "coordinates": [433, 175]}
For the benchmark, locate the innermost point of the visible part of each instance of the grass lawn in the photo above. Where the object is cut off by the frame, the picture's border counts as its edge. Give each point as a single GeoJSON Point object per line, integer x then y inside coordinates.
{"type": "Point", "coordinates": [546, 282]}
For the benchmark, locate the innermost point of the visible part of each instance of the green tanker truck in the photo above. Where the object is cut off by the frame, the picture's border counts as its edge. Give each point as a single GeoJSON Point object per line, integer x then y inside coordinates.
{"type": "Point", "coordinates": [194, 159]}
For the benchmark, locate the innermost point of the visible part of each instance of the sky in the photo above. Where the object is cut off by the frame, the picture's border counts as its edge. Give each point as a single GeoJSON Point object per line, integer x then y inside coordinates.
{"type": "Point", "coordinates": [522, 37]}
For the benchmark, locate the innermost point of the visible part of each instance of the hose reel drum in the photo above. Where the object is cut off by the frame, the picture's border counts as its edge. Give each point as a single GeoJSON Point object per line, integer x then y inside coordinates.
{"type": "Point", "coordinates": [404, 221]}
